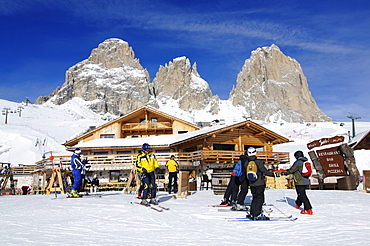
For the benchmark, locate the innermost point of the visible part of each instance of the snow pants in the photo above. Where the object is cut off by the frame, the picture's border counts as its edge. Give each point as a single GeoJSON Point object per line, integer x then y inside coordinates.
{"type": "Point", "coordinates": [232, 190]}
{"type": "Point", "coordinates": [258, 193]}
{"type": "Point", "coordinates": [148, 180]}
{"type": "Point", "coordinates": [244, 183]}
{"type": "Point", "coordinates": [77, 177]}
{"type": "Point", "coordinates": [302, 197]}
{"type": "Point", "coordinates": [172, 177]}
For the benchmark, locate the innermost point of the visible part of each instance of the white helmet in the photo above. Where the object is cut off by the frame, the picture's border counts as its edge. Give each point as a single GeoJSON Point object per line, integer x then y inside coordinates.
{"type": "Point", "coordinates": [251, 151]}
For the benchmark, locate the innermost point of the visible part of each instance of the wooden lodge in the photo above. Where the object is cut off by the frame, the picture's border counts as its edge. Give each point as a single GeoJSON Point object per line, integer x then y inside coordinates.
{"type": "Point", "coordinates": [112, 148]}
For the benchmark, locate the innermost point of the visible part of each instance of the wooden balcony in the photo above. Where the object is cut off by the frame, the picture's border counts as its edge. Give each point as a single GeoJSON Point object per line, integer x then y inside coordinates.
{"type": "Point", "coordinates": [214, 159]}
{"type": "Point", "coordinates": [147, 126]}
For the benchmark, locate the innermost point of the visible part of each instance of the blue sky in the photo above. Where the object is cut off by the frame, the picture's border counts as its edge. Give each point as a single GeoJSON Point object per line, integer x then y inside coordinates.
{"type": "Point", "coordinates": [330, 39]}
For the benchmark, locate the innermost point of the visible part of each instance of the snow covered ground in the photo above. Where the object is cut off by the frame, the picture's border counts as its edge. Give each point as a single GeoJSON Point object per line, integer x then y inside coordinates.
{"type": "Point", "coordinates": [340, 218]}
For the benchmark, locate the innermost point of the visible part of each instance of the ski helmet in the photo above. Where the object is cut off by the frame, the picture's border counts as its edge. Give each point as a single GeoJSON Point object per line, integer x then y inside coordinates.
{"type": "Point", "coordinates": [251, 151]}
{"type": "Point", "coordinates": [146, 146]}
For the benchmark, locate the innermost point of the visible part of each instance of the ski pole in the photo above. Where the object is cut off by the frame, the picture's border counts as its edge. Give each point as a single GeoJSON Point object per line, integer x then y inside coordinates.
{"type": "Point", "coordinates": [281, 187]}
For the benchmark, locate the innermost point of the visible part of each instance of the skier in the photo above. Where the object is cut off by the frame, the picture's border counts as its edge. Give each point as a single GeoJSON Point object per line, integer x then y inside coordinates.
{"type": "Point", "coordinates": [232, 189]}
{"type": "Point", "coordinates": [257, 187]}
{"type": "Point", "coordinates": [173, 169]}
{"type": "Point", "coordinates": [146, 165]}
{"type": "Point", "coordinates": [300, 182]}
{"type": "Point", "coordinates": [78, 170]}
{"type": "Point", "coordinates": [243, 183]}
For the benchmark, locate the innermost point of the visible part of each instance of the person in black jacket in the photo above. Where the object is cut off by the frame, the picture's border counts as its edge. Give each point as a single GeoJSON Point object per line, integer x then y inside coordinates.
{"type": "Point", "coordinates": [258, 187]}
{"type": "Point", "coordinates": [243, 183]}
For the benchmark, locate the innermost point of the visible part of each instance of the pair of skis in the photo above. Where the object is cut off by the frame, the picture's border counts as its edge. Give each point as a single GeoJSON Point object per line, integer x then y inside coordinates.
{"type": "Point", "coordinates": [157, 208]}
{"type": "Point", "coordinates": [283, 218]}
{"type": "Point", "coordinates": [266, 210]}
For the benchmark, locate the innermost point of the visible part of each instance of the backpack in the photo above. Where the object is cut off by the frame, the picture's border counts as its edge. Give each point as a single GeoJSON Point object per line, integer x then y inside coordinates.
{"type": "Point", "coordinates": [252, 171]}
{"type": "Point", "coordinates": [238, 169]}
{"type": "Point", "coordinates": [306, 170]}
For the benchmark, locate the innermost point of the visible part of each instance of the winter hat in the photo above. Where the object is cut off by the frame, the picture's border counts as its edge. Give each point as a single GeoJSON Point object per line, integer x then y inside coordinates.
{"type": "Point", "coordinates": [298, 154]}
{"type": "Point", "coordinates": [251, 151]}
{"type": "Point", "coordinates": [78, 151]}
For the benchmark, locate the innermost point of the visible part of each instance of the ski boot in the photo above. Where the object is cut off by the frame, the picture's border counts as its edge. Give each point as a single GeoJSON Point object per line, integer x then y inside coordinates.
{"type": "Point", "coordinates": [153, 201]}
{"type": "Point", "coordinates": [74, 194]}
{"type": "Point", "coordinates": [309, 212]}
{"type": "Point", "coordinates": [144, 202]}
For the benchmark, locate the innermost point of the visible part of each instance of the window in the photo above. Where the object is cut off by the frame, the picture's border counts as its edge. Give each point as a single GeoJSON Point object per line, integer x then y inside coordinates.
{"type": "Point", "coordinates": [230, 147]}
{"type": "Point", "coordinates": [114, 176]}
{"type": "Point", "coordinates": [107, 136]}
{"type": "Point", "coordinates": [182, 132]}
{"type": "Point", "coordinates": [123, 152]}
{"type": "Point", "coordinates": [154, 120]}
{"type": "Point", "coordinates": [142, 120]}
{"type": "Point", "coordinates": [101, 154]}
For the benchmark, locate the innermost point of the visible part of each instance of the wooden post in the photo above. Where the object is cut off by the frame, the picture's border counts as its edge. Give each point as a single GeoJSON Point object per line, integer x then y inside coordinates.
{"type": "Point", "coordinates": [183, 188]}
{"type": "Point", "coordinates": [318, 166]}
{"type": "Point", "coordinates": [350, 162]}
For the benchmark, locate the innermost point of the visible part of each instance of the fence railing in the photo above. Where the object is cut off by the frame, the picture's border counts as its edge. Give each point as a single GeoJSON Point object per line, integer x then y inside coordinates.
{"type": "Point", "coordinates": [210, 158]}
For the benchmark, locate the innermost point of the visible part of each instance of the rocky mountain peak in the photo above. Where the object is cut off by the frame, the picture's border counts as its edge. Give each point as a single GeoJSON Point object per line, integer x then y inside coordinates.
{"type": "Point", "coordinates": [114, 53]}
{"type": "Point", "coordinates": [111, 79]}
{"type": "Point", "coordinates": [180, 81]}
{"type": "Point", "coordinates": [272, 86]}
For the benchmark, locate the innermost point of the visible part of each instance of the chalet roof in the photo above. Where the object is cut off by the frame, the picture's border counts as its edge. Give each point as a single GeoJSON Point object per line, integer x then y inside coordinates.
{"type": "Point", "coordinates": [175, 139]}
{"type": "Point", "coordinates": [358, 138]}
{"type": "Point", "coordinates": [132, 114]}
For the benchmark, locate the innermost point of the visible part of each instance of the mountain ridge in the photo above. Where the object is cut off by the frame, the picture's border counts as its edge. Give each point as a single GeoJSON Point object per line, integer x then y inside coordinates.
{"type": "Point", "coordinates": [114, 81]}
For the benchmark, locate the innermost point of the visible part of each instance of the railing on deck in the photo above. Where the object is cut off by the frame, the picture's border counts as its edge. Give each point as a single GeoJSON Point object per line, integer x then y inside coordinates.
{"type": "Point", "coordinates": [147, 125]}
{"type": "Point", "coordinates": [212, 158]}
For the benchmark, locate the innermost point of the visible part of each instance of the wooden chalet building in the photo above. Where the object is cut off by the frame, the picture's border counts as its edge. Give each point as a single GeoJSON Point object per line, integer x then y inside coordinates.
{"type": "Point", "coordinates": [361, 141]}
{"type": "Point", "coordinates": [112, 148]}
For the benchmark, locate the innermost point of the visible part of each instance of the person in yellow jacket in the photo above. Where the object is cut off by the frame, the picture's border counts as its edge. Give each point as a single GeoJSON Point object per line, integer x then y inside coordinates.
{"type": "Point", "coordinates": [173, 169]}
{"type": "Point", "coordinates": [146, 165]}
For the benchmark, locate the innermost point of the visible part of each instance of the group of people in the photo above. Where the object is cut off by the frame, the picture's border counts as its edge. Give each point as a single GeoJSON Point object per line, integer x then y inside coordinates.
{"type": "Point", "coordinates": [241, 179]}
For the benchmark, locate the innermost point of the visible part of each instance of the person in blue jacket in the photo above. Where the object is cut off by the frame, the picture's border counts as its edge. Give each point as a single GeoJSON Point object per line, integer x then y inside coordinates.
{"type": "Point", "coordinates": [300, 182]}
{"type": "Point", "coordinates": [78, 171]}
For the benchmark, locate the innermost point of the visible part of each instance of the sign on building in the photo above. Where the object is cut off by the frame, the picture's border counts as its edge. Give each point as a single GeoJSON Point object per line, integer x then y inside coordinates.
{"type": "Point", "coordinates": [332, 161]}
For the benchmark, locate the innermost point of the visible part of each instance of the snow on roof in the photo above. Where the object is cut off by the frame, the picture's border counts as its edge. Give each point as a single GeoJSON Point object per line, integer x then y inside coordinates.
{"type": "Point", "coordinates": [357, 139]}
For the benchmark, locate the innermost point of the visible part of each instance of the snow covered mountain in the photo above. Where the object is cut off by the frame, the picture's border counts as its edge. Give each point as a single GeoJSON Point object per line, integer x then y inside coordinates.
{"type": "Point", "coordinates": [44, 128]}
{"type": "Point", "coordinates": [270, 87]}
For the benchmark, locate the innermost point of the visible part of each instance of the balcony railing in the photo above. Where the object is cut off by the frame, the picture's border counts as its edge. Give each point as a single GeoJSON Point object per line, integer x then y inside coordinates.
{"type": "Point", "coordinates": [212, 158]}
{"type": "Point", "coordinates": [146, 126]}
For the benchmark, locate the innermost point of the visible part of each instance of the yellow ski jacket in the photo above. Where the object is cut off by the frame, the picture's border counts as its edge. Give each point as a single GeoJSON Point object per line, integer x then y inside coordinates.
{"type": "Point", "coordinates": [172, 166]}
{"type": "Point", "coordinates": [146, 161]}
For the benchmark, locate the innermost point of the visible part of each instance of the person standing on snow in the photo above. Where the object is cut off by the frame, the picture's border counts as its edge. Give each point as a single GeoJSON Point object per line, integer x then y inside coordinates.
{"type": "Point", "coordinates": [78, 171]}
{"type": "Point", "coordinates": [257, 186]}
{"type": "Point", "coordinates": [243, 182]}
{"type": "Point", "coordinates": [173, 169]}
{"type": "Point", "coordinates": [146, 165]}
{"type": "Point", "coordinates": [94, 184]}
{"type": "Point", "coordinates": [300, 182]}
{"type": "Point", "coordinates": [232, 189]}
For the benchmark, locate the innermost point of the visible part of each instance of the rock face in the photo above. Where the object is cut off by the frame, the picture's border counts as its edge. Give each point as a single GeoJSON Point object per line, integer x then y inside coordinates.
{"type": "Point", "coordinates": [272, 86]}
{"type": "Point", "coordinates": [181, 82]}
{"type": "Point", "coordinates": [111, 79]}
